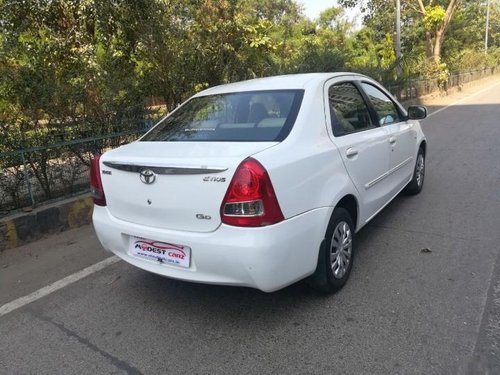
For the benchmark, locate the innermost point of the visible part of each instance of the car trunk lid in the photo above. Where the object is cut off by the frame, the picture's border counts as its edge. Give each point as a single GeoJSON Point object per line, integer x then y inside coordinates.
{"type": "Point", "coordinates": [172, 185]}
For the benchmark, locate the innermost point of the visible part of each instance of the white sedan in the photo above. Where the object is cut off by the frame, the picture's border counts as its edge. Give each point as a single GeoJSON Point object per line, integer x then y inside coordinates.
{"type": "Point", "coordinates": [260, 183]}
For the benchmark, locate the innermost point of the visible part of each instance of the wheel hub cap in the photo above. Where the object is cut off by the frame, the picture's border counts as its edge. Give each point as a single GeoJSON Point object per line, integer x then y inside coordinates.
{"type": "Point", "coordinates": [420, 170]}
{"type": "Point", "coordinates": [341, 249]}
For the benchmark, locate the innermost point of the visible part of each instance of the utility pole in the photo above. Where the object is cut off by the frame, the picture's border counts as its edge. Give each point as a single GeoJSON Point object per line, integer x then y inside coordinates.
{"type": "Point", "coordinates": [487, 28]}
{"type": "Point", "coordinates": [398, 36]}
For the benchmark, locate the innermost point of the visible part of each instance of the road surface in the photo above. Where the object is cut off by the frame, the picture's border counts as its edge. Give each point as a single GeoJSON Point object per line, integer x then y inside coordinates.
{"type": "Point", "coordinates": [404, 311]}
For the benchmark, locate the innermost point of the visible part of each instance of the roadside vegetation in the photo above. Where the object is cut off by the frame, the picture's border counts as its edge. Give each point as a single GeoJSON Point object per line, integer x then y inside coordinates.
{"type": "Point", "coordinates": [78, 69]}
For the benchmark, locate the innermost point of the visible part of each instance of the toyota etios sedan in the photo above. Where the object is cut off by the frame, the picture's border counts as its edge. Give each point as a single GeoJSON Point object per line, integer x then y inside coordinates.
{"type": "Point", "coordinates": [260, 183]}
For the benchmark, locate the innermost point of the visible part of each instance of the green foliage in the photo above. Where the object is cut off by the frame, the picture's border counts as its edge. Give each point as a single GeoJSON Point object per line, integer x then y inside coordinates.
{"type": "Point", "coordinates": [433, 17]}
{"type": "Point", "coordinates": [459, 45]}
{"type": "Point", "coordinates": [76, 68]}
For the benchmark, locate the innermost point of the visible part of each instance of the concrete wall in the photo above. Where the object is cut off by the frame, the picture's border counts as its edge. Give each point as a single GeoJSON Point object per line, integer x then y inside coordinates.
{"type": "Point", "coordinates": [23, 228]}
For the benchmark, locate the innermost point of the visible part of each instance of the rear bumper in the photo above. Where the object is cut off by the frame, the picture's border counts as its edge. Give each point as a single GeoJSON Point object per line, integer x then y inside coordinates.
{"type": "Point", "coordinates": [267, 258]}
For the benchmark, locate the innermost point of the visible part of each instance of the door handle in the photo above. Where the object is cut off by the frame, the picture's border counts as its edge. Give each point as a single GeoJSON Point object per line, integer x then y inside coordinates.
{"type": "Point", "coordinates": [392, 140]}
{"type": "Point", "coordinates": [351, 152]}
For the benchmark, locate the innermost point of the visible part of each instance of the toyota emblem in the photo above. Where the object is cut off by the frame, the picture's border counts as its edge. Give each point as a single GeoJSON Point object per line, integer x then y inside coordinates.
{"type": "Point", "coordinates": [147, 176]}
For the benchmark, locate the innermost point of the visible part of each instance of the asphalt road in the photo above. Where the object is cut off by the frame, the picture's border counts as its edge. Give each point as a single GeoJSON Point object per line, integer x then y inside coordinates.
{"type": "Point", "coordinates": [404, 311]}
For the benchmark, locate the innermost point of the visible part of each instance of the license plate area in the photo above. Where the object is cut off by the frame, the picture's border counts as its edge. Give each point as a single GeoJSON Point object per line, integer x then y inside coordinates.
{"type": "Point", "coordinates": [160, 252]}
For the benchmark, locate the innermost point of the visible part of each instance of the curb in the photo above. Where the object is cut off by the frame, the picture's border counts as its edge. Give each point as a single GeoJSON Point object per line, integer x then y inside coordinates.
{"type": "Point", "coordinates": [24, 228]}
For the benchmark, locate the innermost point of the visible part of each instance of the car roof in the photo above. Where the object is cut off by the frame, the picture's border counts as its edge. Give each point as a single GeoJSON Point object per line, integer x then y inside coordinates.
{"type": "Point", "coordinates": [283, 82]}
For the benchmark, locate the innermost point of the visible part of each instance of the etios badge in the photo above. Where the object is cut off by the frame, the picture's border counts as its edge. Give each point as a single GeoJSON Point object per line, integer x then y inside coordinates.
{"type": "Point", "coordinates": [147, 176]}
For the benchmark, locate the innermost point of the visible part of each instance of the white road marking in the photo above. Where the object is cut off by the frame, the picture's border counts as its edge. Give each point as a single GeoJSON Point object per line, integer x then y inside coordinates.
{"type": "Point", "coordinates": [463, 99]}
{"type": "Point", "coordinates": [40, 293]}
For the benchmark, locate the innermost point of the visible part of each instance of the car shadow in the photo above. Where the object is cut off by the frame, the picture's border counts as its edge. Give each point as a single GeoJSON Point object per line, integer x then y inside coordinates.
{"type": "Point", "coordinates": [229, 302]}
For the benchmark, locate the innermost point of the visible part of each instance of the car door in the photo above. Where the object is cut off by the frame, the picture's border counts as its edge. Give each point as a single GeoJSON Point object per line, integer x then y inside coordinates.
{"type": "Point", "coordinates": [363, 145]}
{"type": "Point", "coordinates": [402, 136]}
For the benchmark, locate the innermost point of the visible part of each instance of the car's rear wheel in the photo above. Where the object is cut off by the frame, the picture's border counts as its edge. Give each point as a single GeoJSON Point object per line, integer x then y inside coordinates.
{"type": "Point", "coordinates": [417, 183]}
{"type": "Point", "coordinates": [336, 254]}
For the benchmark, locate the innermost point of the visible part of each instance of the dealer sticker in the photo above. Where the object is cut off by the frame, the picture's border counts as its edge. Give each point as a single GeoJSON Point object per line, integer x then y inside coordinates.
{"type": "Point", "coordinates": [160, 252]}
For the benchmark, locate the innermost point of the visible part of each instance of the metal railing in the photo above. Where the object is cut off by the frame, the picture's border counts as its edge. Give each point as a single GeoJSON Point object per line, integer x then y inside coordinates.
{"type": "Point", "coordinates": [36, 175]}
{"type": "Point", "coordinates": [413, 89]}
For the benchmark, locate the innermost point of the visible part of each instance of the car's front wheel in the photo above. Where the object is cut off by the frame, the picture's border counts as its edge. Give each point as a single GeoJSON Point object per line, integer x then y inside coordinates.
{"type": "Point", "coordinates": [336, 254]}
{"type": "Point", "coordinates": [417, 183]}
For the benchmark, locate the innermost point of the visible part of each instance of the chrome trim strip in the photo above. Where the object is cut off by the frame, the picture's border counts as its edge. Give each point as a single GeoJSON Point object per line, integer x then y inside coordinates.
{"type": "Point", "coordinates": [162, 169]}
{"type": "Point", "coordinates": [381, 208]}
{"type": "Point", "coordinates": [388, 173]}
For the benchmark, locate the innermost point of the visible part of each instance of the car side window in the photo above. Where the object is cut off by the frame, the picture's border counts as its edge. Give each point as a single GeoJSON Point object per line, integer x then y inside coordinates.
{"type": "Point", "coordinates": [386, 109]}
{"type": "Point", "coordinates": [348, 110]}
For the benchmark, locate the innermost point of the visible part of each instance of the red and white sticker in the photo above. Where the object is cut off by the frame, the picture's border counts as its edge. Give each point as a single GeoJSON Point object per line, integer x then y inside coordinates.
{"type": "Point", "coordinates": [161, 252]}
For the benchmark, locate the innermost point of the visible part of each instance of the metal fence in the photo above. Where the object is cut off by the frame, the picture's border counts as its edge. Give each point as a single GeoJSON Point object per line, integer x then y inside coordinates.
{"type": "Point", "coordinates": [413, 89]}
{"type": "Point", "coordinates": [32, 176]}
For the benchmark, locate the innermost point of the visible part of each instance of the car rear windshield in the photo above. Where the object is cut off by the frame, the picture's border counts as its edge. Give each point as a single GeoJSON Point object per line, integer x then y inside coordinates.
{"type": "Point", "coordinates": [243, 116]}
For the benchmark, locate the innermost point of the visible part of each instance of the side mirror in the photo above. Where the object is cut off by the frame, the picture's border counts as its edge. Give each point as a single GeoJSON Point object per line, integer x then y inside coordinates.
{"type": "Point", "coordinates": [417, 112]}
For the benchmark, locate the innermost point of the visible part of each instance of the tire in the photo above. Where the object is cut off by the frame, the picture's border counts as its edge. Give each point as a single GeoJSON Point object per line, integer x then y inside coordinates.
{"type": "Point", "coordinates": [332, 270]}
{"type": "Point", "coordinates": [417, 182]}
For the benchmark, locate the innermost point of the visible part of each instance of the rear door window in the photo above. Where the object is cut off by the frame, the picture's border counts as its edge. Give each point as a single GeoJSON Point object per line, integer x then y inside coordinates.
{"type": "Point", "coordinates": [243, 116]}
{"type": "Point", "coordinates": [348, 109]}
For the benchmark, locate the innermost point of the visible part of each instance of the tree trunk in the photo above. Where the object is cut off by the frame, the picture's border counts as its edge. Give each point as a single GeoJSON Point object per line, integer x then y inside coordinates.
{"type": "Point", "coordinates": [429, 48]}
{"type": "Point", "coordinates": [436, 55]}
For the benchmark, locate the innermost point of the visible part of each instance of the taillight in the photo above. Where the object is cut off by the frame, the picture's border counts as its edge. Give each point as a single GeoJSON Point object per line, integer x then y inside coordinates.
{"type": "Point", "coordinates": [96, 189]}
{"type": "Point", "coordinates": [250, 200]}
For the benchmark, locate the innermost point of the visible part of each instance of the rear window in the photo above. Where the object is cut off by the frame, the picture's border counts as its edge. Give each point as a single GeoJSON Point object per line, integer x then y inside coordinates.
{"type": "Point", "coordinates": [244, 116]}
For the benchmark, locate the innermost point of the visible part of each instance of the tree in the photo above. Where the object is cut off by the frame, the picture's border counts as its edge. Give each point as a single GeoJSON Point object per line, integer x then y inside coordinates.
{"type": "Point", "coordinates": [436, 20]}
{"type": "Point", "coordinates": [433, 16]}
